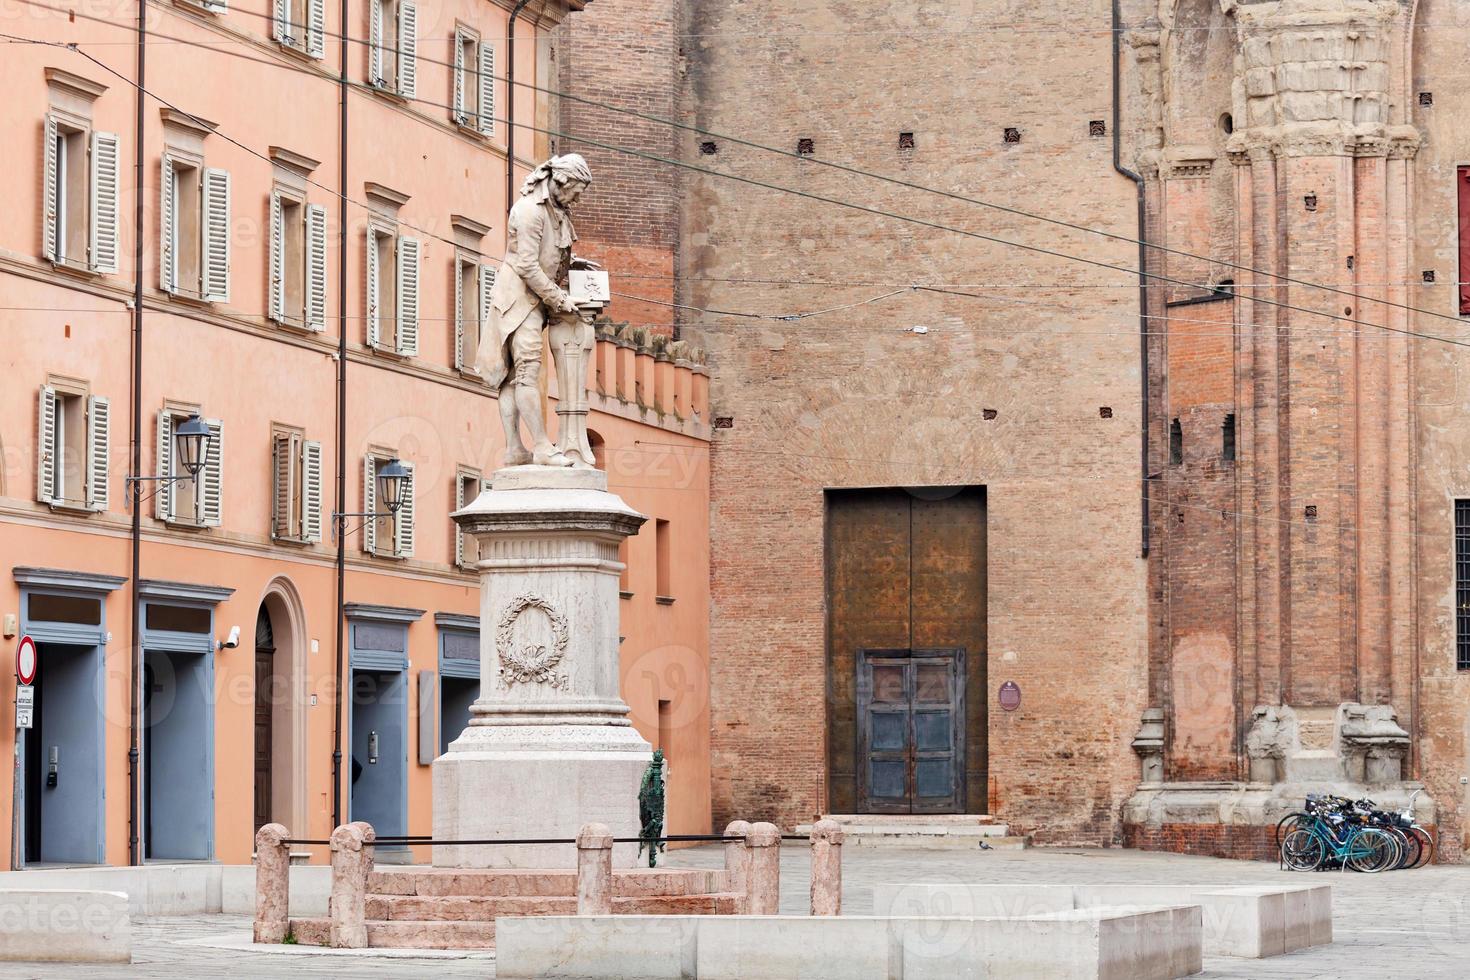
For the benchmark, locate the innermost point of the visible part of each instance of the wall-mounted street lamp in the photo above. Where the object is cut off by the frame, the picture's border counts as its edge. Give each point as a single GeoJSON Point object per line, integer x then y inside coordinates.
{"type": "Point", "coordinates": [191, 443]}
{"type": "Point", "coordinates": [393, 477]}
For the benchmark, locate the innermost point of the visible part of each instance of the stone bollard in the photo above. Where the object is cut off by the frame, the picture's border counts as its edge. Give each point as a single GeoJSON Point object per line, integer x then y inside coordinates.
{"type": "Point", "coordinates": [763, 881]}
{"type": "Point", "coordinates": [594, 870]}
{"type": "Point", "coordinates": [272, 884]}
{"type": "Point", "coordinates": [737, 864]}
{"type": "Point", "coordinates": [827, 868]}
{"type": "Point", "coordinates": [351, 862]}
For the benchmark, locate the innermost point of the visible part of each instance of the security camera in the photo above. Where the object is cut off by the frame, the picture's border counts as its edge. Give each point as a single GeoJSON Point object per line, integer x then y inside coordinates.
{"type": "Point", "coordinates": [232, 641]}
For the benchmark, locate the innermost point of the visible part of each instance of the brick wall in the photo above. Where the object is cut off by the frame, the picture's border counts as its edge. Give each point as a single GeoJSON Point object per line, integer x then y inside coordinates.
{"type": "Point", "coordinates": [625, 54]}
{"type": "Point", "coordinates": [1006, 391]}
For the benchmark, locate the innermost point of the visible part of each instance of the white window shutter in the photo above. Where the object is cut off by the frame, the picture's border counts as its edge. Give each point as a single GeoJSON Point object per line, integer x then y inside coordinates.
{"type": "Point", "coordinates": [459, 80]}
{"type": "Point", "coordinates": [375, 43]}
{"type": "Point", "coordinates": [408, 27]}
{"type": "Point", "coordinates": [316, 28]}
{"type": "Point", "coordinates": [408, 296]}
{"type": "Point", "coordinates": [277, 260]}
{"type": "Point", "coordinates": [102, 255]}
{"type": "Point", "coordinates": [46, 454]}
{"type": "Point", "coordinates": [486, 283]}
{"type": "Point", "coordinates": [163, 498]}
{"type": "Point", "coordinates": [167, 229]}
{"type": "Point", "coordinates": [459, 360]}
{"type": "Point", "coordinates": [487, 89]}
{"type": "Point", "coordinates": [458, 531]}
{"type": "Point", "coordinates": [216, 235]}
{"type": "Point", "coordinates": [50, 191]}
{"type": "Point", "coordinates": [372, 304]}
{"type": "Point", "coordinates": [282, 21]}
{"type": "Point", "coordinates": [282, 476]}
{"type": "Point", "coordinates": [370, 504]}
{"type": "Point", "coordinates": [403, 520]}
{"type": "Point", "coordinates": [211, 478]}
{"type": "Point", "coordinates": [98, 450]}
{"type": "Point", "coordinates": [316, 267]}
{"type": "Point", "coordinates": [311, 493]}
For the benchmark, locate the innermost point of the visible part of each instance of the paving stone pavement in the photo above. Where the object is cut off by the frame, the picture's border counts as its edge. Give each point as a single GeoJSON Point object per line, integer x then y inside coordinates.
{"type": "Point", "coordinates": [1404, 925]}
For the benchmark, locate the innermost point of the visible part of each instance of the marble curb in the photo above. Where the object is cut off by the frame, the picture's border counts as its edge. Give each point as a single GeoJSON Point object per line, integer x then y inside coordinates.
{"type": "Point", "coordinates": [241, 942]}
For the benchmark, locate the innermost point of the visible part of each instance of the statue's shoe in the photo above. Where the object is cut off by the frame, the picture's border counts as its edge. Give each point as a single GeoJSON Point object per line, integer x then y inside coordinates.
{"type": "Point", "coordinates": [549, 457]}
{"type": "Point", "coordinates": [517, 457]}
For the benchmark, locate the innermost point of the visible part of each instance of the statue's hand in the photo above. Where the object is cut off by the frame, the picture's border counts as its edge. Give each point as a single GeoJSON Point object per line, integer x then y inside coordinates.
{"type": "Point", "coordinates": [563, 303]}
{"type": "Point", "coordinates": [580, 263]}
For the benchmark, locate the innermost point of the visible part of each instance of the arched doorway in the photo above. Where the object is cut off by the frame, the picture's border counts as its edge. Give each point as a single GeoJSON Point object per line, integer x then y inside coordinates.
{"type": "Point", "coordinates": [279, 745]}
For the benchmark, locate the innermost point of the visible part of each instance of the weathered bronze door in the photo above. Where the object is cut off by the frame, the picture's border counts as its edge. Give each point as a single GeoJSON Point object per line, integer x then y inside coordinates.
{"type": "Point", "coordinates": [906, 651]}
{"type": "Point", "coordinates": [911, 706]}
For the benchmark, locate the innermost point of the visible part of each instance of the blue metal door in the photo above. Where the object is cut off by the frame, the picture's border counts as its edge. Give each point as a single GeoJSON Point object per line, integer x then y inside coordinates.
{"type": "Point", "coordinates": [178, 783]}
{"type": "Point", "coordinates": [63, 758]}
{"type": "Point", "coordinates": [379, 760]}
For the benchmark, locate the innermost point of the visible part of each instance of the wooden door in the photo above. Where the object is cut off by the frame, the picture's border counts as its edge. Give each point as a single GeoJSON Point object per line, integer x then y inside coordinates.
{"type": "Point", "coordinates": [265, 658]}
{"type": "Point", "coordinates": [906, 573]}
{"type": "Point", "coordinates": [911, 731]}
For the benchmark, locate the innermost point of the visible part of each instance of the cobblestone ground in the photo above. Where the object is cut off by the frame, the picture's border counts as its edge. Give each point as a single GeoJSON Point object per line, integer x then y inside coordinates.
{"type": "Point", "coordinates": [1405, 925]}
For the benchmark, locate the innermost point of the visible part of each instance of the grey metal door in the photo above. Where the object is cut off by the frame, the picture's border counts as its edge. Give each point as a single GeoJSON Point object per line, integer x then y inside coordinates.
{"type": "Point", "coordinates": [379, 761]}
{"type": "Point", "coordinates": [911, 730]}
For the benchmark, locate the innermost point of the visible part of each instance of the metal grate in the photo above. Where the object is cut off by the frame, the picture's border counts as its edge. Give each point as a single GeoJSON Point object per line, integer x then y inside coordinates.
{"type": "Point", "coordinates": [1462, 584]}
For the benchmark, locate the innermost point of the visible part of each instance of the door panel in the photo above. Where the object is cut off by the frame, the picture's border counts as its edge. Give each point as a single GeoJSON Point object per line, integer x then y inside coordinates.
{"type": "Point", "coordinates": [264, 672]}
{"type": "Point", "coordinates": [909, 740]}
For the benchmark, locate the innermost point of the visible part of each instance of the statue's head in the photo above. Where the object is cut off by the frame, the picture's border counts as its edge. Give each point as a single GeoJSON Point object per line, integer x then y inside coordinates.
{"type": "Point", "coordinates": [561, 179]}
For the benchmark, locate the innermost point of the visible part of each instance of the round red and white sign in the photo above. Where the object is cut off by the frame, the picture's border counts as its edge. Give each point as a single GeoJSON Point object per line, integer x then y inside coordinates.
{"type": "Point", "coordinates": [25, 660]}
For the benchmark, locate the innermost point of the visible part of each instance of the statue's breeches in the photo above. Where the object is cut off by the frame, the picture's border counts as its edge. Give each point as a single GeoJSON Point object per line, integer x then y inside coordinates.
{"type": "Point", "coordinates": [525, 352]}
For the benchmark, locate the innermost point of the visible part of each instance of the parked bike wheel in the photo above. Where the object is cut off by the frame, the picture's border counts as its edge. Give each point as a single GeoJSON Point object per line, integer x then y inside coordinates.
{"type": "Point", "coordinates": [1426, 846]}
{"type": "Point", "coordinates": [1372, 851]}
{"type": "Point", "coordinates": [1290, 822]}
{"type": "Point", "coordinates": [1408, 849]}
{"type": "Point", "coordinates": [1302, 850]}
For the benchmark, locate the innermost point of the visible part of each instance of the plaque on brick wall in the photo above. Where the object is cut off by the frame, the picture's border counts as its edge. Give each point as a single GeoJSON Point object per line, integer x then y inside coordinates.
{"type": "Point", "coordinates": [1009, 696]}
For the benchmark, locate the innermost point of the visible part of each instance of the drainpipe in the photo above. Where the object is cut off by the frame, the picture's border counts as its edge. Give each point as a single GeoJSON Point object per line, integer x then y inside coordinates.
{"type": "Point", "coordinates": [135, 653]}
{"type": "Point", "coordinates": [510, 104]}
{"type": "Point", "coordinates": [1142, 266]}
{"type": "Point", "coordinates": [343, 87]}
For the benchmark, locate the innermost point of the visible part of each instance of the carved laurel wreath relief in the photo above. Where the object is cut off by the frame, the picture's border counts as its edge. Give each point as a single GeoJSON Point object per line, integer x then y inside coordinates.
{"type": "Point", "coordinates": [523, 660]}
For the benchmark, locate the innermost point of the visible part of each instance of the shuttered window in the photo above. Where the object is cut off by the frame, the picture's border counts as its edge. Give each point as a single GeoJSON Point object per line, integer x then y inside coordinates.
{"type": "Point", "coordinates": [1462, 584]}
{"type": "Point", "coordinates": [72, 449]}
{"type": "Point", "coordinates": [194, 230]}
{"type": "Point", "coordinates": [473, 102]}
{"type": "Point", "coordinates": [296, 508]}
{"type": "Point", "coordinates": [79, 196]}
{"type": "Point", "coordinates": [393, 269]}
{"type": "Point", "coordinates": [392, 46]}
{"type": "Point", "coordinates": [300, 25]}
{"type": "Point", "coordinates": [486, 109]}
{"type": "Point", "coordinates": [197, 502]}
{"type": "Point", "coordinates": [1462, 190]}
{"type": "Point", "coordinates": [470, 300]}
{"type": "Point", "coordinates": [297, 268]}
{"type": "Point", "coordinates": [467, 486]}
{"type": "Point", "coordinates": [389, 535]}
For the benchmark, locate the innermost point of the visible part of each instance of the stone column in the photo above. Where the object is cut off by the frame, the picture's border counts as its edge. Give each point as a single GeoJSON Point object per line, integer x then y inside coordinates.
{"type": "Point", "coordinates": [827, 867]}
{"type": "Point", "coordinates": [350, 864]}
{"type": "Point", "coordinates": [737, 863]}
{"type": "Point", "coordinates": [763, 884]}
{"type": "Point", "coordinates": [272, 884]}
{"type": "Point", "coordinates": [594, 870]}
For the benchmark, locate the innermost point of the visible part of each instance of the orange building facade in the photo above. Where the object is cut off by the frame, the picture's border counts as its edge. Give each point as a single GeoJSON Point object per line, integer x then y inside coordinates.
{"type": "Point", "coordinates": [296, 255]}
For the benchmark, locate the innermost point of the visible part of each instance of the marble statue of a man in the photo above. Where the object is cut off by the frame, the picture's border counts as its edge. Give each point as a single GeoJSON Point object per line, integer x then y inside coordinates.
{"type": "Point", "coordinates": [530, 293]}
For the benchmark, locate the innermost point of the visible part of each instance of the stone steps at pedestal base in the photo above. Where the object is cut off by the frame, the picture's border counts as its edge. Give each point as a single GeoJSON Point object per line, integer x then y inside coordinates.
{"type": "Point", "coordinates": [461, 908]}
{"type": "Point", "coordinates": [405, 934]}
{"type": "Point", "coordinates": [937, 831]}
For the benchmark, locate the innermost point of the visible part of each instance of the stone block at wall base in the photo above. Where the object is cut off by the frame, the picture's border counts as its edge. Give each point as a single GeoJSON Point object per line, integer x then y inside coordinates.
{"type": "Point", "coordinates": [61, 926]}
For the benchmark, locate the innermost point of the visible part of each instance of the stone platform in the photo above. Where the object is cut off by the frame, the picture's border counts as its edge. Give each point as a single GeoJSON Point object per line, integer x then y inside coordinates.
{"type": "Point", "coordinates": [451, 908]}
{"type": "Point", "coordinates": [924, 830]}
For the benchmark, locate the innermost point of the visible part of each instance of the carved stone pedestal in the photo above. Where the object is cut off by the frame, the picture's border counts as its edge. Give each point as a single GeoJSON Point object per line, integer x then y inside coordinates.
{"type": "Point", "coordinates": [549, 746]}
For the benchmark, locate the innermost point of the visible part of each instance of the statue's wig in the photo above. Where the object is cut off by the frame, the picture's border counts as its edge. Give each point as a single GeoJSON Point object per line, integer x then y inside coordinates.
{"type": "Point", "coordinates": [559, 169]}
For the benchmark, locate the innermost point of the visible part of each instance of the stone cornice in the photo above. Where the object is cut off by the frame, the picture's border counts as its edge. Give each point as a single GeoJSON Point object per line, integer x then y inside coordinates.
{"type": "Point", "coordinates": [187, 121]}
{"type": "Point", "coordinates": [74, 84]}
{"type": "Point", "coordinates": [381, 614]}
{"type": "Point", "coordinates": [61, 578]}
{"type": "Point", "coordinates": [149, 588]}
{"type": "Point", "coordinates": [291, 160]}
